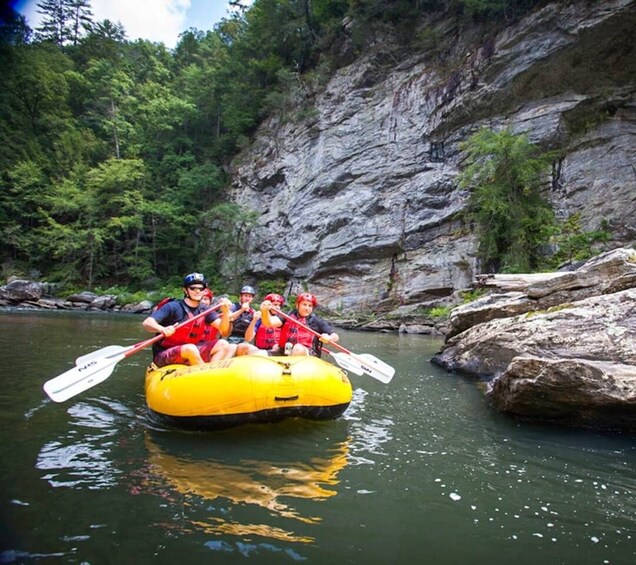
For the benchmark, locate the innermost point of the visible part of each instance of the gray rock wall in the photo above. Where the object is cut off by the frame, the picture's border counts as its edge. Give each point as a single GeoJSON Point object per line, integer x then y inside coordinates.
{"type": "Point", "coordinates": [360, 202]}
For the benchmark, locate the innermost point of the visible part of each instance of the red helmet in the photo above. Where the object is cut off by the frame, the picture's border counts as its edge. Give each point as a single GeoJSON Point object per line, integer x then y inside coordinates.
{"type": "Point", "coordinates": [207, 292]}
{"type": "Point", "coordinates": [308, 297]}
{"type": "Point", "coordinates": [273, 297]}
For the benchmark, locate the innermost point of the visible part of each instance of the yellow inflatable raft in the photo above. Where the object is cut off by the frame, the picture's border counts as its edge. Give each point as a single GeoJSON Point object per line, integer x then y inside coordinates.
{"type": "Point", "coordinates": [247, 389]}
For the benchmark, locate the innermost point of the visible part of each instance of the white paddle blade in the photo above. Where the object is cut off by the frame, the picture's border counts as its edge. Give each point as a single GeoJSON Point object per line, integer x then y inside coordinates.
{"type": "Point", "coordinates": [108, 351]}
{"type": "Point", "coordinates": [80, 378]}
{"type": "Point", "coordinates": [375, 367]}
{"type": "Point", "coordinates": [347, 362]}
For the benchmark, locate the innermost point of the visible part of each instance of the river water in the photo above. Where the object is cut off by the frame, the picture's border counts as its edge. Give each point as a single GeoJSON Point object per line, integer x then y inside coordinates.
{"type": "Point", "coordinates": [420, 470]}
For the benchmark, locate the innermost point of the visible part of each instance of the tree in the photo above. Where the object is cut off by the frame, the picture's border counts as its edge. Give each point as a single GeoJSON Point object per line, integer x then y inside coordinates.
{"type": "Point", "coordinates": [81, 18]}
{"type": "Point", "coordinates": [64, 21]}
{"type": "Point", "coordinates": [110, 89]}
{"type": "Point", "coordinates": [33, 101]}
{"type": "Point", "coordinates": [22, 212]}
{"type": "Point", "coordinates": [13, 27]}
{"type": "Point", "coordinates": [96, 225]}
{"type": "Point", "coordinates": [505, 173]}
{"type": "Point", "coordinates": [54, 26]}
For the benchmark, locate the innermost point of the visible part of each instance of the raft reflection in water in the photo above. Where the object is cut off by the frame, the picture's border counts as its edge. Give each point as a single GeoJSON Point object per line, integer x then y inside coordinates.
{"type": "Point", "coordinates": [259, 484]}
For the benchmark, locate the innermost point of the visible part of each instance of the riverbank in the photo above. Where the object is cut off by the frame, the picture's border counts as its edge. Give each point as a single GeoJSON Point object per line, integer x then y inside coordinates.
{"type": "Point", "coordinates": [27, 294]}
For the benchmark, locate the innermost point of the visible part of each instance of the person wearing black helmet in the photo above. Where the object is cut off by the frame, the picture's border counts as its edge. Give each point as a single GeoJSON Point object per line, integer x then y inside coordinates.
{"type": "Point", "coordinates": [195, 343]}
{"type": "Point", "coordinates": [242, 316]}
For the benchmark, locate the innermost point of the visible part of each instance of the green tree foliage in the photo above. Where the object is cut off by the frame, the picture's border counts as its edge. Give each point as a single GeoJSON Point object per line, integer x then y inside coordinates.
{"type": "Point", "coordinates": [95, 228]}
{"type": "Point", "coordinates": [505, 174]}
{"type": "Point", "coordinates": [21, 211]}
{"type": "Point", "coordinates": [575, 244]}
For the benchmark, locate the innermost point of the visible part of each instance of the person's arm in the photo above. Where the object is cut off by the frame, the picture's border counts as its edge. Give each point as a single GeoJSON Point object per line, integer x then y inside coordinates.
{"type": "Point", "coordinates": [250, 332]}
{"type": "Point", "coordinates": [223, 323]}
{"type": "Point", "coordinates": [152, 325]}
{"type": "Point", "coordinates": [327, 332]}
{"type": "Point", "coordinates": [269, 320]}
{"type": "Point", "coordinates": [236, 313]}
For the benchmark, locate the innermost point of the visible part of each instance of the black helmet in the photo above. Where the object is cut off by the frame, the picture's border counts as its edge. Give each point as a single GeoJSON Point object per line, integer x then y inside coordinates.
{"type": "Point", "coordinates": [195, 278]}
{"type": "Point", "coordinates": [248, 290]}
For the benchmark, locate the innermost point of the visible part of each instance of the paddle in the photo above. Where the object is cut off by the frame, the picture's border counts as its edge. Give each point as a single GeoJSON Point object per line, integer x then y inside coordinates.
{"type": "Point", "coordinates": [357, 363]}
{"type": "Point", "coordinates": [347, 362]}
{"type": "Point", "coordinates": [96, 366]}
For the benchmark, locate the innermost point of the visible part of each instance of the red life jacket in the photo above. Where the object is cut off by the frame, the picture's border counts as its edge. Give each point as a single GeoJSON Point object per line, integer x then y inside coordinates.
{"type": "Point", "coordinates": [162, 302]}
{"type": "Point", "coordinates": [196, 332]}
{"type": "Point", "coordinates": [266, 338]}
{"type": "Point", "coordinates": [293, 333]}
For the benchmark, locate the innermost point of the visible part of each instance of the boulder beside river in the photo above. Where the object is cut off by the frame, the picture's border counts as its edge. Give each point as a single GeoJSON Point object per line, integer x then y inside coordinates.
{"type": "Point", "coordinates": [559, 347]}
{"type": "Point", "coordinates": [40, 295]}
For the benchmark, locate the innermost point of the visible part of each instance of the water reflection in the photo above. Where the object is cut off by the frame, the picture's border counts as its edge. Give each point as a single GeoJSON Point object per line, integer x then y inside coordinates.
{"type": "Point", "coordinates": [84, 458]}
{"type": "Point", "coordinates": [236, 487]}
{"type": "Point", "coordinates": [369, 437]}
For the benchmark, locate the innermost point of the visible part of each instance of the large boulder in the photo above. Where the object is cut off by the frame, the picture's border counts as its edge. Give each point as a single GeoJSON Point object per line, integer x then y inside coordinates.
{"type": "Point", "coordinates": [573, 362]}
{"type": "Point", "coordinates": [605, 274]}
{"type": "Point", "coordinates": [18, 290]}
{"type": "Point", "coordinates": [572, 391]}
{"type": "Point", "coordinates": [84, 297]}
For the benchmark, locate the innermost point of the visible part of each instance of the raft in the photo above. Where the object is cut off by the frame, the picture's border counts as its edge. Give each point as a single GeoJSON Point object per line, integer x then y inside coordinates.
{"type": "Point", "coordinates": [247, 389]}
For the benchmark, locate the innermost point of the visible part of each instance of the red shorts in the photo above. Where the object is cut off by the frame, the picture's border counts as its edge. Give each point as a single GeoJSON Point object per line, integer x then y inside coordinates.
{"type": "Point", "coordinates": [172, 355]}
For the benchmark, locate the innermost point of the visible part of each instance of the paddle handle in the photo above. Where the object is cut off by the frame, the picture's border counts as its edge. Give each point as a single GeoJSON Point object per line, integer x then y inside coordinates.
{"type": "Point", "coordinates": [311, 330]}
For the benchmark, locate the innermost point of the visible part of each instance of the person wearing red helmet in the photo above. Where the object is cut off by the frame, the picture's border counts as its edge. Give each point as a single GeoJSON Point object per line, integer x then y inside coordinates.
{"type": "Point", "coordinates": [206, 297]}
{"type": "Point", "coordinates": [266, 337]}
{"type": "Point", "coordinates": [302, 342]}
{"type": "Point", "coordinates": [192, 344]}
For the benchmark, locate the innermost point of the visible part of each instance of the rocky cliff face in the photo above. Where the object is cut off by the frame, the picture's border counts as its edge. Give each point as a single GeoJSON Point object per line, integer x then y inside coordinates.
{"type": "Point", "coordinates": [360, 203]}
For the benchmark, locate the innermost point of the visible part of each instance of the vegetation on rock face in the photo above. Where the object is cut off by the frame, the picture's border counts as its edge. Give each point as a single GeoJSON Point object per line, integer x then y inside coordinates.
{"type": "Point", "coordinates": [506, 173]}
{"type": "Point", "coordinates": [574, 244]}
{"type": "Point", "coordinates": [114, 152]}
{"type": "Point", "coordinates": [517, 229]}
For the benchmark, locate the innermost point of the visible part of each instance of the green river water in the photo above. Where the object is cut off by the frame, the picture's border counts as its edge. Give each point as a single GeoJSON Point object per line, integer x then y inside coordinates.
{"type": "Point", "coordinates": [422, 470]}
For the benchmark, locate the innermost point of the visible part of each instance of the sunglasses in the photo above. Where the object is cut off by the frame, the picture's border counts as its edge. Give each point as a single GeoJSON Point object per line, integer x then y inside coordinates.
{"type": "Point", "coordinates": [199, 288]}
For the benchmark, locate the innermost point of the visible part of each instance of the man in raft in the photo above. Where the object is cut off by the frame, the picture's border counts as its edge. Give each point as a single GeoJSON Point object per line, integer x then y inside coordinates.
{"type": "Point", "coordinates": [196, 343]}
{"type": "Point", "coordinates": [267, 338]}
{"type": "Point", "coordinates": [294, 338]}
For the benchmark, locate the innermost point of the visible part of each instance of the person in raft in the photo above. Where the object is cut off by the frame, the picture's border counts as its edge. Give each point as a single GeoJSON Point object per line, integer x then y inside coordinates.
{"type": "Point", "coordinates": [196, 343]}
{"type": "Point", "coordinates": [266, 338]}
{"type": "Point", "coordinates": [242, 317]}
{"type": "Point", "coordinates": [302, 342]}
{"type": "Point", "coordinates": [206, 297]}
